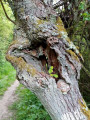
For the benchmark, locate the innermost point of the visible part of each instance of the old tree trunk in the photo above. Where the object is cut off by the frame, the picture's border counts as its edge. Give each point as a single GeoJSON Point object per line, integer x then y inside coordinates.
{"type": "Point", "coordinates": [46, 61]}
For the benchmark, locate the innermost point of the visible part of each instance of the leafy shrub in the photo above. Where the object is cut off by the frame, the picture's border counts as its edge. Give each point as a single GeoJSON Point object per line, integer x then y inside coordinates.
{"type": "Point", "coordinates": [28, 107]}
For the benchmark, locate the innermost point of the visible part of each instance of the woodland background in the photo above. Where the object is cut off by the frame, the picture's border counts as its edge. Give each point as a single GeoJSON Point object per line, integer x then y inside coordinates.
{"type": "Point", "coordinates": [76, 18]}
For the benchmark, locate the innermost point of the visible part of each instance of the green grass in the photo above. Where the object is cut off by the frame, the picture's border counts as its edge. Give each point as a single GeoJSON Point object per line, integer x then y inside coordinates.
{"type": "Point", "coordinates": [7, 75]}
{"type": "Point", "coordinates": [7, 72]}
{"type": "Point", "coordinates": [28, 107]}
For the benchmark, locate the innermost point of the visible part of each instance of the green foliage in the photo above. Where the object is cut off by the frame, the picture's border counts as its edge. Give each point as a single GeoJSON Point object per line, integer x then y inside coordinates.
{"type": "Point", "coordinates": [7, 72]}
{"type": "Point", "coordinates": [28, 107]}
{"type": "Point", "coordinates": [85, 14]}
{"type": "Point", "coordinates": [6, 28]}
{"type": "Point", "coordinates": [50, 71]}
{"type": "Point", "coordinates": [7, 76]}
{"type": "Point", "coordinates": [82, 5]}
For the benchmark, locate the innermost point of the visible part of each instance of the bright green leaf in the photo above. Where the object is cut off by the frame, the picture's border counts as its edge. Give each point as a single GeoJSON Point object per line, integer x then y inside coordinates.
{"type": "Point", "coordinates": [51, 67]}
{"type": "Point", "coordinates": [55, 75]}
{"type": "Point", "coordinates": [50, 71]}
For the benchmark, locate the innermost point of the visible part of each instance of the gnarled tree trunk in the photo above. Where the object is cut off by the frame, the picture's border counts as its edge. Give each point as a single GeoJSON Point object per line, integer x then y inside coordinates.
{"type": "Point", "coordinates": [41, 44]}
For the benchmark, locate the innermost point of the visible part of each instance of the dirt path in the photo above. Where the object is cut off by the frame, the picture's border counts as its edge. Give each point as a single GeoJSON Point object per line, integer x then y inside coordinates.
{"type": "Point", "coordinates": [8, 98]}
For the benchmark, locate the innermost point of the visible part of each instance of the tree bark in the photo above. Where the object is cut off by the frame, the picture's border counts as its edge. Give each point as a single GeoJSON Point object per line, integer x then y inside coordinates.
{"type": "Point", "coordinates": [41, 42]}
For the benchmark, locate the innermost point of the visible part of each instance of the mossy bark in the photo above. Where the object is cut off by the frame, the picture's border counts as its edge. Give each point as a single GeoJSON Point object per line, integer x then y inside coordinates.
{"type": "Point", "coordinates": [41, 41]}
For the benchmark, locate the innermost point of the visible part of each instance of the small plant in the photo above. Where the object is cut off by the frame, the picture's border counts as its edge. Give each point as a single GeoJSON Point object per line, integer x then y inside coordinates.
{"type": "Point", "coordinates": [84, 13]}
{"type": "Point", "coordinates": [50, 71]}
{"type": "Point", "coordinates": [82, 5]}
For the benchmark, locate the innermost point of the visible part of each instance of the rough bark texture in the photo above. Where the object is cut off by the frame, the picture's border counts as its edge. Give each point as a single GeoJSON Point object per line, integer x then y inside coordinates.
{"type": "Point", "coordinates": [40, 41]}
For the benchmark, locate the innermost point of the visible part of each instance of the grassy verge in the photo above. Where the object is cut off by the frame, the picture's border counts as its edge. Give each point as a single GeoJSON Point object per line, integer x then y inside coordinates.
{"type": "Point", "coordinates": [7, 75]}
{"type": "Point", "coordinates": [7, 72]}
{"type": "Point", "coordinates": [28, 107]}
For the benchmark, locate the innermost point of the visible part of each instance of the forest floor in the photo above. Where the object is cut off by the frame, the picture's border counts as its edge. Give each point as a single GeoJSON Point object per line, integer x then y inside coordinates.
{"type": "Point", "coordinates": [8, 98]}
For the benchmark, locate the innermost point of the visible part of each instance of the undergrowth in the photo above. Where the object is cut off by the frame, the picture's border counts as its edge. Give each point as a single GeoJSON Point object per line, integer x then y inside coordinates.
{"type": "Point", "coordinates": [7, 75]}
{"type": "Point", "coordinates": [7, 72]}
{"type": "Point", "coordinates": [28, 107]}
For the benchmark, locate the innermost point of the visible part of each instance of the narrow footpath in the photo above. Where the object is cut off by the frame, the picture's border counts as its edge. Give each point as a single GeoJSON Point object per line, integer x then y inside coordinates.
{"type": "Point", "coordinates": [8, 98]}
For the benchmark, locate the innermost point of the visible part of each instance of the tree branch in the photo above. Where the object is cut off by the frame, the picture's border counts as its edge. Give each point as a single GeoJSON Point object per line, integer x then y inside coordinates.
{"type": "Point", "coordinates": [85, 70]}
{"type": "Point", "coordinates": [6, 13]}
{"type": "Point", "coordinates": [58, 4]}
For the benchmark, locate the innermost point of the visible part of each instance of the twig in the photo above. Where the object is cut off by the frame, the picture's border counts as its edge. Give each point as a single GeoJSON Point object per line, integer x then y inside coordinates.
{"type": "Point", "coordinates": [85, 70]}
{"type": "Point", "coordinates": [6, 13]}
{"type": "Point", "coordinates": [58, 4]}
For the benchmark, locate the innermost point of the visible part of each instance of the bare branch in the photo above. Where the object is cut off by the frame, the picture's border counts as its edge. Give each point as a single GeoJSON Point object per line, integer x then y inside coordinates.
{"type": "Point", "coordinates": [86, 71]}
{"type": "Point", "coordinates": [6, 13]}
{"type": "Point", "coordinates": [58, 4]}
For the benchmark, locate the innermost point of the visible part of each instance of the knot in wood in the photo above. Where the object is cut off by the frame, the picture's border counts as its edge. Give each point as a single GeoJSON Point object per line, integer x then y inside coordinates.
{"type": "Point", "coordinates": [63, 86]}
